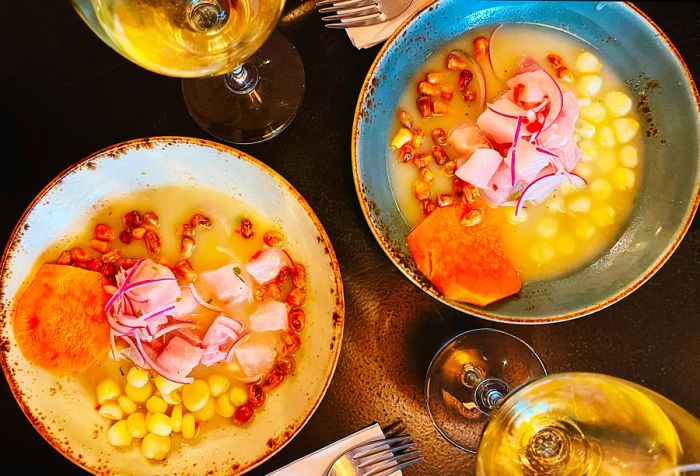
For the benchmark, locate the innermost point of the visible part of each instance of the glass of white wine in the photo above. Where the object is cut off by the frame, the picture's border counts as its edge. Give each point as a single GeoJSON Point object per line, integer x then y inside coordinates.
{"type": "Point", "coordinates": [243, 81]}
{"type": "Point", "coordinates": [488, 393]}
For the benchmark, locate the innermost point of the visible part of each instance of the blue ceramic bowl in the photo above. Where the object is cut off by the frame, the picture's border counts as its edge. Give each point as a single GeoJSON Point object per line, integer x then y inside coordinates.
{"type": "Point", "coordinates": [668, 194]}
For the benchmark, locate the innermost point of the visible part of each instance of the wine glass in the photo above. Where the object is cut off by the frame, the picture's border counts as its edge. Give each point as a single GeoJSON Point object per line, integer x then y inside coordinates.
{"type": "Point", "coordinates": [488, 393]}
{"type": "Point", "coordinates": [243, 82]}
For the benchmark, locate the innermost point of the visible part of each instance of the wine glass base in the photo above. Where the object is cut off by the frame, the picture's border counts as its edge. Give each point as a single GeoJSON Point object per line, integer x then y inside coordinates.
{"type": "Point", "coordinates": [259, 114]}
{"type": "Point", "coordinates": [469, 376]}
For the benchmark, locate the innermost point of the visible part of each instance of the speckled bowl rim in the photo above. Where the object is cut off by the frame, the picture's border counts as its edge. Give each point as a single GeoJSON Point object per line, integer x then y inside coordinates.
{"type": "Point", "coordinates": [481, 312]}
{"type": "Point", "coordinates": [148, 142]}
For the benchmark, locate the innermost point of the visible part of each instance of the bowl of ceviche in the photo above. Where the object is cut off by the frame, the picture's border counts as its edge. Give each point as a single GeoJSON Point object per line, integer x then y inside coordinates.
{"type": "Point", "coordinates": [162, 315]}
{"type": "Point", "coordinates": [513, 159]}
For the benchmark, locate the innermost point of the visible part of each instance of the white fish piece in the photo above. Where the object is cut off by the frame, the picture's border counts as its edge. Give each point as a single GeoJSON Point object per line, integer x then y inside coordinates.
{"type": "Point", "coordinates": [228, 284]}
{"type": "Point", "coordinates": [266, 264]}
{"type": "Point", "coordinates": [269, 316]}
{"type": "Point", "coordinates": [255, 358]}
{"type": "Point", "coordinates": [480, 168]}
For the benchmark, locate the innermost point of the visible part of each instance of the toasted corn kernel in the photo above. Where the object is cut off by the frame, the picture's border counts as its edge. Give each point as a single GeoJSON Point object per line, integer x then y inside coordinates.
{"type": "Point", "coordinates": [238, 396]}
{"type": "Point", "coordinates": [159, 423]}
{"type": "Point", "coordinates": [139, 395]}
{"type": "Point", "coordinates": [403, 136]}
{"type": "Point", "coordinates": [165, 386]}
{"type": "Point", "coordinates": [156, 405]}
{"type": "Point", "coordinates": [471, 218]}
{"type": "Point", "coordinates": [111, 411]}
{"type": "Point", "coordinates": [223, 406]}
{"type": "Point", "coordinates": [195, 395]}
{"type": "Point", "coordinates": [107, 390]}
{"type": "Point", "coordinates": [588, 63]}
{"type": "Point", "coordinates": [155, 446]}
{"type": "Point", "coordinates": [618, 103]}
{"type": "Point", "coordinates": [207, 412]}
{"type": "Point", "coordinates": [137, 425]}
{"type": "Point", "coordinates": [628, 156]}
{"type": "Point", "coordinates": [421, 190]}
{"type": "Point", "coordinates": [137, 377]}
{"type": "Point", "coordinates": [623, 178]}
{"type": "Point", "coordinates": [189, 426]}
{"type": "Point", "coordinates": [218, 384]}
{"type": "Point", "coordinates": [590, 84]}
{"type": "Point", "coordinates": [176, 418]}
{"type": "Point", "coordinates": [118, 434]}
{"type": "Point", "coordinates": [625, 129]}
{"type": "Point", "coordinates": [127, 405]}
{"type": "Point", "coordinates": [547, 227]}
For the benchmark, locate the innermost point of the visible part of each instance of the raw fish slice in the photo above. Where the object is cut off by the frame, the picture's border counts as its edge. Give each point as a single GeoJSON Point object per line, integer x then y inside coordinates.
{"type": "Point", "coordinates": [227, 284]}
{"type": "Point", "coordinates": [184, 306]}
{"type": "Point", "coordinates": [526, 64]}
{"type": "Point", "coordinates": [179, 357]}
{"type": "Point", "coordinates": [270, 316]}
{"type": "Point", "coordinates": [499, 190]}
{"type": "Point", "coordinates": [255, 358]}
{"type": "Point", "coordinates": [562, 130]}
{"type": "Point", "coordinates": [266, 264]}
{"type": "Point", "coordinates": [464, 139]}
{"type": "Point", "coordinates": [499, 120]}
{"type": "Point", "coordinates": [212, 355]}
{"type": "Point", "coordinates": [480, 168]}
{"type": "Point", "coordinates": [154, 296]}
{"type": "Point", "coordinates": [529, 161]}
{"type": "Point", "coordinates": [222, 330]}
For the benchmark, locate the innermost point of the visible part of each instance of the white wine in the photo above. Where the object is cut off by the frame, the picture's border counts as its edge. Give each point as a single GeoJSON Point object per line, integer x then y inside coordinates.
{"type": "Point", "coordinates": [183, 38]}
{"type": "Point", "coordinates": [579, 424]}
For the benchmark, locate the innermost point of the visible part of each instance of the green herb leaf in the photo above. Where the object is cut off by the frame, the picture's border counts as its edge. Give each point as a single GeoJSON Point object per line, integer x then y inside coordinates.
{"type": "Point", "coordinates": [237, 272]}
{"type": "Point", "coordinates": [209, 301]}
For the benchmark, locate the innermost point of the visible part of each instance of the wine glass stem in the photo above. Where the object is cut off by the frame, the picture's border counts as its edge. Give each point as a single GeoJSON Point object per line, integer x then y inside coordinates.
{"type": "Point", "coordinates": [242, 79]}
{"type": "Point", "coordinates": [489, 393]}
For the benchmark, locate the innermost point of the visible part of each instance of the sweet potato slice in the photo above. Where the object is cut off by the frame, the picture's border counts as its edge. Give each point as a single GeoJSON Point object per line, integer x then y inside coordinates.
{"type": "Point", "coordinates": [59, 322]}
{"type": "Point", "coordinates": [464, 263]}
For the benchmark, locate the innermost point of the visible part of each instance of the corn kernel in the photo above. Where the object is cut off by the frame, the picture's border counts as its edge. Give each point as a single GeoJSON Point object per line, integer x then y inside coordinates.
{"type": "Point", "coordinates": [111, 411]}
{"type": "Point", "coordinates": [606, 137]}
{"type": "Point", "coordinates": [218, 385]}
{"type": "Point", "coordinates": [604, 216]}
{"type": "Point", "coordinates": [588, 63]}
{"type": "Point", "coordinates": [223, 406]}
{"type": "Point", "coordinates": [618, 103]}
{"type": "Point", "coordinates": [107, 390]}
{"type": "Point", "coordinates": [601, 189]}
{"type": "Point", "coordinates": [127, 405]}
{"type": "Point", "coordinates": [155, 446]}
{"type": "Point", "coordinates": [118, 434]}
{"type": "Point", "coordinates": [207, 412]}
{"type": "Point", "coordinates": [584, 170]}
{"type": "Point", "coordinates": [239, 396]}
{"type": "Point", "coordinates": [402, 137]}
{"type": "Point", "coordinates": [189, 426]}
{"type": "Point", "coordinates": [594, 112]}
{"type": "Point", "coordinates": [234, 367]}
{"type": "Point", "coordinates": [512, 217]}
{"type": "Point", "coordinates": [584, 229]}
{"type": "Point", "coordinates": [623, 178]}
{"type": "Point", "coordinates": [580, 204]}
{"type": "Point", "coordinates": [159, 423]}
{"type": "Point", "coordinates": [565, 244]}
{"type": "Point", "coordinates": [139, 395]}
{"type": "Point", "coordinates": [584, 101]}
{"type": "Point", "coordinates": [547, 227]}
{"type": "Point", "coordinates": [628, 156]}
{"type": "Point", "coordinates": [156, 405]}
{"type": "Point", "coordinates": [165, 386]}
{"type": "Point", "coordinates": [590, 84]}
{"type": "Point", "coordinates": [625, 129]}
{"type": "Point", "coordinates": [137, 377]}
{"type": "Point", "coordinates": [606, 161]}
{"type": "Point", "coordinates": [172, 398]}
{"type": "Point", "coordinates": [567, 188]}
{"type": "Point", "coordinates": [555, 204]}
{"type": "Point", "coordinates": [195, 395]}
{"type": "Point", "coordinates": [585, 129]}
{"type": "Point", "coordinates": [176, 418]}
{"type": "Point", "coordinates": [589, 151]}
{"type": "Point", "coordinates": [137, 425]}
{"type": "Point", "coordinates": [541, 252]}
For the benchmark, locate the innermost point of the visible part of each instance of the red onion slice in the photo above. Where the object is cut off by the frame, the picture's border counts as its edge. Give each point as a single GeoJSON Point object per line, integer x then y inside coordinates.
{"type": "Point", "coordinates": [173, 327]}
{"type": "Point", "coordinates": [516, 137]}
{"type": "Point", "coordinates": [252, 379]}
{"type": "Point", "coordinates": [202, 302]}
{"type": "Point", "coordinates": [154, 365]}
{"type": "Point", "coordinates": [122, 285]}
{"type": "Point", "coordinates": [241, 339]}
{"type": "Point", "coordinates": [545, 151]}
{"type": "Point", "coordinates": [539, 189]}
{"type": "Point", "coordinates": [146, 282]}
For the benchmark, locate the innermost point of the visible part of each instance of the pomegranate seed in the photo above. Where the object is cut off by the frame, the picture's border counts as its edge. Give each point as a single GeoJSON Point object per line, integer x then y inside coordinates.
{"type": "Point", "coordinates": [447, 91]}
{"type": "Point", "coordinates": [184, 230]}
{"type": "Point", "coordinates": [469, 96]}
{"type": "Point", "coordinates": [428, 206]}
{"type": "Point", "coordinates": [555, 60]}
{"type": "Point", "coordinates": [283, 275]}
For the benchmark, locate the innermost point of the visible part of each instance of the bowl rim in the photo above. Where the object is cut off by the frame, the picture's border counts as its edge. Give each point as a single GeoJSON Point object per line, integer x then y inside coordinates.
{"type": "Point", "coordinates": [149, 142]}
{"type": "Point", "coordinates": [470, 309]}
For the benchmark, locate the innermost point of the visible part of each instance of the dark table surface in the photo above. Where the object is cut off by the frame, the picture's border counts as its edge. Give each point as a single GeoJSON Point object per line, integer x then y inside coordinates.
{"type": "Point", "coordinates": [66, 95]}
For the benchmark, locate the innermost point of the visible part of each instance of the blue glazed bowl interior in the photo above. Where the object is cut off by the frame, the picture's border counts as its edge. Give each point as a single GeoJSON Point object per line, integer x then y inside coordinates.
{"type": "Point", "coordinates": [668, 193]}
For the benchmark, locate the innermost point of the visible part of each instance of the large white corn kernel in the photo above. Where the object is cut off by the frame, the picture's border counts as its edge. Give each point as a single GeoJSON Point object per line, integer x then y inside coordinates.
{"type": "Point", "coordinates": [239, 396]}
{"type": "Point", "coordinates": [541, 252]}
{"type": "Point", "coordinates": [118, 434]}
{"type": "Point", "coordinates": [618, 103]}
{"type": "Point", "coordinates": [127, 405]}
{"type": "Point", "coordinates": [139, 395]}
{"type": "Point", "coordinates": [207, 412]}
{"type": "Point", "coordinates": [107, 390]}
{"type": "Point", "coordinates": [606, 161]}
{"type": "Point", "coordinates": [223, 406]}
{"type": "Point", "coordinates": [137, 377]}
{"type": "Point", "coordinates": [555, 204]}
{"type": "Point", "coordinates": [580, 205]}
{"type": "Point", "coordinates": [565, 244]}
{"type": "Point", "coordinates": [584, 229]}
{"type": "Point", "coordinates": [589, 151]}
{"type": "Point", "coordinates": [165, 386]}
{"type": "Point", "coordinates": [111, 411]}
{"type": "Point", "coordinates": [588, 63]}
{"type": "Point", "coordinates": [585, 129]}
{"type": "Point", "coordinates": [628, 156]}
{"type": "Point", "coordinates": [584, 169]}
{"type": "Point", "coordinates": [567, 188]}
{"type": "Point", "coordinates": [137, 425]}
{"type": "Point", "coordinates": [172, 398]}
{"type": "Point", "coordinates": [403, 136]}
{"type": "Point", "coordinates": [623, 178]}
{"type": "Point", "coordinates": [189, 426]}
{"type": "Point", "coordinates": [594, 112]}
{"type": "Point", "coordinates": [176, 418]}
{"type": "Point", "coordinates": [155, 446]}
{"type": "Point", "coordinates": [606, 137]}
{"type": "Point", "coordinates": [218, 384]}
{"type": "Point", "coordinates": [604, 216]}
{"type": "Point", "coordinates": [590, 84]}
{"type": "Point", "coordinates": [159, 423]}
{"type": "Point", "coordinates": [547, 227]}
{"type": "Point", "coordinates": [625, 129]}
{"type": "Point", "coordinates": [156, 405]}
{"type": "Point", "coordinates": [601, 189]}
{"type": "Point", "coordinates": [195, 395]}
{"type": "Point", "coordinates": [583, 101]}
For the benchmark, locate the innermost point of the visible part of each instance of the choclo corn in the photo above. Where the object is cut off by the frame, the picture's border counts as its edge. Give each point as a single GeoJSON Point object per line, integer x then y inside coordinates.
{"type": "Point", "coordinates": [136, 423]}
{"type": "Point", "coordinates": [195, 395]}
{"type": "Point", "coordinates": [218, 384]}
{"type": "Point", "coordinates": [583, 101]}
{"type": "Point", "coordinates": [165, 386]}
{"type": "Point", "coordinates": [625, 129]}
{"type": "Point", "coordinates": [118, 434]}
{"type": "Point", "coordinates": [107, 390]}
{"type": "Point", "coordinates": [606, 161]}
{"type": "Point", "coordinates": [547, 227]}
{"type": "Point", "coordinates": [580, 204]}
{"type": "Point", "coordinates": [606, 137]}
{"type": "Point", "coordinates": [156, 405]}
{"type": "Point", "coordinates": [565, 244]}
{"type": "Point", "coordinates": [594, 112]}
{"type": "Point", "coordinates": [604, 216]}
{"type": "Point", "coordinates": [628, 156]}
{"type": "Point", "coordinates": [590, 84]}
{"type": "Point", "coordinates": [137, 377]}
{"type": "Point", "coordinates": [584, 229]}
{"type": "Point", "coordinates": [176, 418]}
{"type": "Point", "coordinates": [618, 103]}
{"type": "Point", "coordinates": [207, 412]}
{"type": "Point", "coordinates": [589, 151]}
{"type": "Point", "coordinates": [587, 63]}
{"type": "Point", "coordinates": [555, 204]}
{"type": "Point", "coordinates": [127, 405]}
{"type": "Point", "coordinates": [189, 426]}
{"type": "Point", "coordinates": [402, 137]}
{"type": "Point", "coordinates": [155, 446]}
{"type": "Point", "coordinates": [541, 252]}
{"type": "Point", "coordinates": [623, 178]}
{"type": "Point", "coordinates": [111, 411]}
{"type": "Point", "coordinates": [159, 423]}
{"type": "Point", "coordinates": [238, 394]}
{"type": "Point", "coordinates": [139, 395]}
{"type": "Point", "coordinates": [566, 188]}
{"type": "Point", "coordinates": [223, 406]}
{"type": "Point", "coordinates": [584, 170]}
{"type": "Point", "coordinates": [585, 129]}
{"type": "Point", "coordinates": [601, 189]}
{"type": "Point", "coordinates": [172, 398]}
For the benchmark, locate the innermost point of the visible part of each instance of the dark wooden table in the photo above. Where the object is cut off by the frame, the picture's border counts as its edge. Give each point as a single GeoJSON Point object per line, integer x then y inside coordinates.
{"type": "Point", "coordinates": [65, 95]}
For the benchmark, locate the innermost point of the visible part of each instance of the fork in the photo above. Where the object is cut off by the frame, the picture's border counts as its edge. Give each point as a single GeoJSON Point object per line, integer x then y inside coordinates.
{"type": "Point", "coordinates": [377, 458]}
{"type": "Point", "coordinates": [351, 13]}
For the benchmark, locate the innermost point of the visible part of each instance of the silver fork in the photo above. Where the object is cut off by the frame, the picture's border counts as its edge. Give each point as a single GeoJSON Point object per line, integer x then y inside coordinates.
{"type": "Point", "coordinates": [377, 458]}
{"type": "Point", "coordinates": [351, 13]}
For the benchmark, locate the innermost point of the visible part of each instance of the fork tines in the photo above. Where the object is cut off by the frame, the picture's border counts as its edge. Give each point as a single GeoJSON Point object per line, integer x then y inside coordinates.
{"type": "Point", "coordinates": [383, 457]}
{"type": "Point", "coordinates": [349, 13]}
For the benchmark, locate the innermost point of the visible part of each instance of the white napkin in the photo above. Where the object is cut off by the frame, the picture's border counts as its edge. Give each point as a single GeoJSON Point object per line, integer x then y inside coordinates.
{"type": "Point", "coordinates": [317, 462]}
{"type": "Point", "coordinates": [368, 36]}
